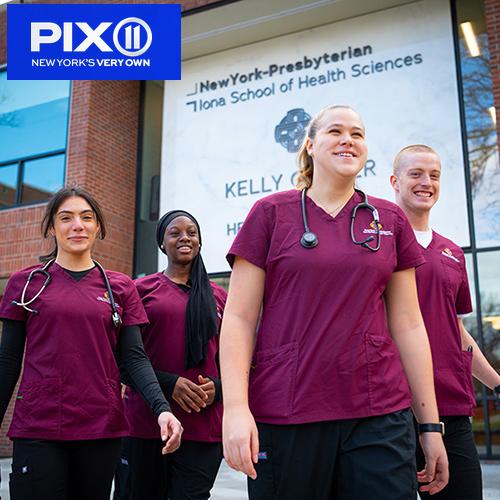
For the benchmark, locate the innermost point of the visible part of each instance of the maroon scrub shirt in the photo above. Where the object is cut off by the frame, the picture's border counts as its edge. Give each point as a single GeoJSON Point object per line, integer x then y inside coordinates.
{"type": "Point", "coordinates": [323, 349]}
{"type": "Point", "coordinates": [443, 292]}
{"type": "Point", "coordinates": [70, 387]}
{"type": "Point", "coordinates": [164, 340]}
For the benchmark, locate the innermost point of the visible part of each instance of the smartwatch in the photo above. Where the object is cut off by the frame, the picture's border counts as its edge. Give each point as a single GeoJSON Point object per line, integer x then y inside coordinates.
{"type": "Point", "coordinates": [437, 427]}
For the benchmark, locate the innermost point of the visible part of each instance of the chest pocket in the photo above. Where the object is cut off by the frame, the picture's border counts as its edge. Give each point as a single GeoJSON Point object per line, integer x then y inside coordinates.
{"type": "Point", "coordinates": [452, 272]}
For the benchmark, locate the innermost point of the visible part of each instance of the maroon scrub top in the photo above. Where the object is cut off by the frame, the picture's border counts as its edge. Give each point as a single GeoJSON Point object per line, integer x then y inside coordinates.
{"type": "Point", "coordinates": [70, 387]}
{"type": "Point", "coordinates": [323, 349]}
{"type": "Point", "coordinates": [164, 340]}
{"type": "Point", "coordinates": [443, 292]}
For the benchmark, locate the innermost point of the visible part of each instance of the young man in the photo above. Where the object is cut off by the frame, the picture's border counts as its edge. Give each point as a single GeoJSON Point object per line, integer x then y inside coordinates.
{"type": "Point", "coordinates": [444, 298]}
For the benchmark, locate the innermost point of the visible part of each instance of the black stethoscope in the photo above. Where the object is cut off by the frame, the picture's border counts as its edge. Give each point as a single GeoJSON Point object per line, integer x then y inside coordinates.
{"type": "Point", "coordinates": [310, 240]}
{"type": "Point", "coordinates": [115, 316]}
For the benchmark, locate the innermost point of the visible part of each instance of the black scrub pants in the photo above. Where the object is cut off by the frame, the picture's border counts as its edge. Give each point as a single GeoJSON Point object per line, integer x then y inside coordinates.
{"type": "Point", "coordinates": [465, 470]}
{"type": "Point", "coordinates": [187, 474]}
{"type": "Point", "coordinates": [356, 459]}
{"type": "Point", "coordinates": [63, 470]}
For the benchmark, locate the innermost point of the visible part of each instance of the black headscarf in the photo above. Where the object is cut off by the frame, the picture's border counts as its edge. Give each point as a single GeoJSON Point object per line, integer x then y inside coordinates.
{"type": "Point", "coordinates": [201, 311]}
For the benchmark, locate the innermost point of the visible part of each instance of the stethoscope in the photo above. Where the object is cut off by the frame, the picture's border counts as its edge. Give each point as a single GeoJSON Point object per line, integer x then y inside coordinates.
{"type": "Point", "coordinates": [310, 240]}
{"type": "Point", "coordinates": [115, 316]}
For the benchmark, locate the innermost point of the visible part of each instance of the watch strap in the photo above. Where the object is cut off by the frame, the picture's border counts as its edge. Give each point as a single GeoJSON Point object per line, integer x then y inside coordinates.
{"type": "Point", "coordinates": [434, 427]}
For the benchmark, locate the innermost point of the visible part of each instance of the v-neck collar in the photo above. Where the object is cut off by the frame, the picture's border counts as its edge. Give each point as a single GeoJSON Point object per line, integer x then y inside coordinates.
{"type": "Point", "coordinates": [165, 279]}
{"type": "Point", "coordinates": [57, 268]}
{"type": "Point", "coordinates": [344, 211]}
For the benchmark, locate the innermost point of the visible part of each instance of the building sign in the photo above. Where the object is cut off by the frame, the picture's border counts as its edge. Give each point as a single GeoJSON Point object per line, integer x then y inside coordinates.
{"type": "Point", "coordinates": [234, 122]}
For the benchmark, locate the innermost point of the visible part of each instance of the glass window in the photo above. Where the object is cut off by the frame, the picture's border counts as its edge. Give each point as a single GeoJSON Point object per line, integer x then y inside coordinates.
{"type": "Point", "coordinates": [33, 126]}
{"type": "Point", "coordinates": [41, 178]}
{"type": "Point", "coordinates": [489, 282]}
{"type": "Point", "coordinates": [33, 117]}
{"type": "Point", "coordinates": [480, 119]}
{"type": "Point", "coordinates": [8, 185]}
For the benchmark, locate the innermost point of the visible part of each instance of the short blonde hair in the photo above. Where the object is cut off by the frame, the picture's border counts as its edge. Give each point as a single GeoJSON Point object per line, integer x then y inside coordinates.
{"type": "Point", "coordinates": [304, 159]}
{"type": "Point", "coordinates": [398, 162]}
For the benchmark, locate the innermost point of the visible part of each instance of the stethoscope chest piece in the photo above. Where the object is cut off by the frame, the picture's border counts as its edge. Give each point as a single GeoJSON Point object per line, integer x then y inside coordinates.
{"type": "Point", "coordinates": [309, 240]}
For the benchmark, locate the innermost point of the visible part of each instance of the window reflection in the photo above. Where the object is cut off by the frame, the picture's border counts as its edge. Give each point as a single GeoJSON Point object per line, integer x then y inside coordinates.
{"type": "Point", "coordinates": [480, 121]}
{"type": "Point", "coordinates": [478, 428]}
{"type": "Point", "coordinates": [33, 122]}
{"type": "Point", "coordinates": [35, 110]}
{"type": "Point", "coordinates": [42, 178]}
{"type": "Point", "coordinates": [489, 281]}
{"type": "Point", "coordinates": [8, 185]}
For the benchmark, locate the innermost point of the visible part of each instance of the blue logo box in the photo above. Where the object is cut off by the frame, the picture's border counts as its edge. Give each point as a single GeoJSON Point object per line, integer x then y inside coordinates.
{"type": "Point", "coordinates": [94, 42]}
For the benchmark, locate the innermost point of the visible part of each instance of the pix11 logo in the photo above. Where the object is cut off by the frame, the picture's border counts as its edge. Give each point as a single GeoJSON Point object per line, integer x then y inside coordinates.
{"type": "Point", "coordinates": [94, 42]}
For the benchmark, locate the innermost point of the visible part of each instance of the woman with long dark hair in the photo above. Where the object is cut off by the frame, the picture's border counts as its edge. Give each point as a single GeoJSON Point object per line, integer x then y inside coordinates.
{"type": "Point", "coordinates": [78, 322]}
{"type": "Point", "coordinates": [184, 309]}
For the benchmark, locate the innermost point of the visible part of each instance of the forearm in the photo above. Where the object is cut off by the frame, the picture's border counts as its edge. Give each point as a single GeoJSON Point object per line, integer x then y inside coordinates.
{"type": "Point", "coordinates": [236, 348]}
{"type": "Point", "coordinates": [481, 368]}
{"type": "Point", "coordinates": [408, 331]}
{"type": "Point", "coordinates": [415, 352]}
{"type": "Point", "coordinates": [136, 367]}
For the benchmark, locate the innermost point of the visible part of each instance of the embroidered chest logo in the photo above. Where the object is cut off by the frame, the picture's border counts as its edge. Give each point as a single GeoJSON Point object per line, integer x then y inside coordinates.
{"type": "Point", "coordinates": [448, 253]}
{"type": "Point", "coordinates": [105, 298]}
{"type": "Point", "coordinates": [373, 229]}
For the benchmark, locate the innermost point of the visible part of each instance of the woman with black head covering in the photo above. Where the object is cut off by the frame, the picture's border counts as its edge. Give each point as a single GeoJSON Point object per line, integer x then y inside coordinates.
{"type": "Point", "coordinates": [184, 310]}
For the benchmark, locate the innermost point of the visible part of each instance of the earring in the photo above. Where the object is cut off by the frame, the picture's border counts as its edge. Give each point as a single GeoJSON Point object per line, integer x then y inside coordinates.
{"type": "Point", "coordinates": [162, 247]}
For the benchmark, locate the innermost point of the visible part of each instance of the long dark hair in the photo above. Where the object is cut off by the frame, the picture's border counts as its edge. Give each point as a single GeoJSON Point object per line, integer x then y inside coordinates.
{"type": "Point", "coordinates": [53, 206]}
{"type": "Point", "coordinates": [201, 309]}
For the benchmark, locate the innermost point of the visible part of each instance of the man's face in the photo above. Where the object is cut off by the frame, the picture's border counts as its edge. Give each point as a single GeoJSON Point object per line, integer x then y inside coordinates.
{"type": "Point", "coordinates": [417, 184]}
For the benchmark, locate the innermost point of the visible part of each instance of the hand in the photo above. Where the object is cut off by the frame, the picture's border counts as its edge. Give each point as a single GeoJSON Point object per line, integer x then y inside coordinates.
{"type": "Point", "coordinates": [171, 432]}
{"type": "Point", "coordinates": [208, 387]}
{"type": "Point", "coordinates": [189, 395]}
{"type": "Point", "coordinates": [435, 472]}
{"type": "Point", "coordinates": [241, 440]}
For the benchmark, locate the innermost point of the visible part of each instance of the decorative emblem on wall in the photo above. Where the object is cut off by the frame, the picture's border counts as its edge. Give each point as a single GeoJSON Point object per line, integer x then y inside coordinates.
{"type": "Point", "coordinates": [291, 129]}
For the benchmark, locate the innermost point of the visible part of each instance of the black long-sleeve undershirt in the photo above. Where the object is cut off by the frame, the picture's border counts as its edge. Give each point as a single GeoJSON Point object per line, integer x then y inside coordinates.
{"type": "Point", "coordinates": [130, 353]}
{"type": "Point", "coordinates": [11, 360]}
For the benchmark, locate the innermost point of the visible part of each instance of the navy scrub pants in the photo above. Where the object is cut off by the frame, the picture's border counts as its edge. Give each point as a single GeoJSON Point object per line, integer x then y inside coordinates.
{"type": "Point", "coordinates": [63, 470]}
{"type": "Point", "coordinates": [357, 459]}
{"type": "Point", "coordinates": [187, 474]}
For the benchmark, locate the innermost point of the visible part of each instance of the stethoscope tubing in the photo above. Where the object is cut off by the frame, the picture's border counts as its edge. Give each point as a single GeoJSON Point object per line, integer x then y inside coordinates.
{"type": "Point", "coordinates": [115, 316]}
{"type": "Point", "coordinates": [310, 240]}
